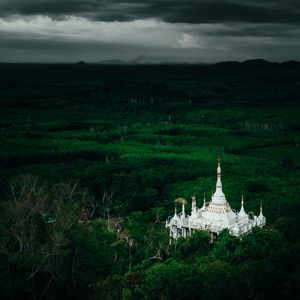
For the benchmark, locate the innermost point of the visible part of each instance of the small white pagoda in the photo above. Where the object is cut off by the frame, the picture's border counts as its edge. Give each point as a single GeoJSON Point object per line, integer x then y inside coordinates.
{"type": "Point", "coordinates": [213, 216]}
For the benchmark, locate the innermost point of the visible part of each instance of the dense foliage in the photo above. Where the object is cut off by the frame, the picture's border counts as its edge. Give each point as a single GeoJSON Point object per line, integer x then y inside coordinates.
{"type": "Point", "coordinates": [111, 147]}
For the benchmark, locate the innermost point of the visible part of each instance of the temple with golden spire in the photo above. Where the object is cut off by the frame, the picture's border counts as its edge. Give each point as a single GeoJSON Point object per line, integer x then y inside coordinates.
{"type": "Point", "coordinates": [213, 216]}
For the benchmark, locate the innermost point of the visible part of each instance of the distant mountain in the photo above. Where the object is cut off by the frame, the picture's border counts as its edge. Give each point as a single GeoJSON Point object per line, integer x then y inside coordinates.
{"type": "Point", "coordinates": [112, 62]}
{"type": "Point", "coordinates": [256, 64]}
{"type": "Point", "coordinates": [141, 59]}
{"type": "Point", "coordinates": [225, 64]}
{"type": "Point", "coordinates": [174, 63]}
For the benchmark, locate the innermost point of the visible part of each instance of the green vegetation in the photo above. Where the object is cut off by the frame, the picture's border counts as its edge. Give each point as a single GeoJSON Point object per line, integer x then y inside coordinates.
{"type": "Point", "coordinates": [111, 147]}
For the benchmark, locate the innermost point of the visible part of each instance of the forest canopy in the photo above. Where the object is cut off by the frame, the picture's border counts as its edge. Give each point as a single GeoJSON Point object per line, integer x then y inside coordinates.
{"type": "Point", "coordinates": [92, 158]}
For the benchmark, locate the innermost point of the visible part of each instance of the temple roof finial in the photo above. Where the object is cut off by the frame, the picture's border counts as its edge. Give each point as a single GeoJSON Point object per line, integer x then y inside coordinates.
{"type": "Point", "coordinates": [219, 183]}
{"type": "Point", "coordinates": [218, 196]}
{"type": "Point", "coordinates": [260, 210]}
{"type": "Point", "coordinates": [242, 212]}
{"type": "Point", "coordinates": [194, 203]}
{"type": "Point", "coordinates": [175, 212]}
{"type": "Point", "coordinates": [204, 203]}
{"type": "Point", "coordinates": [219, 166]}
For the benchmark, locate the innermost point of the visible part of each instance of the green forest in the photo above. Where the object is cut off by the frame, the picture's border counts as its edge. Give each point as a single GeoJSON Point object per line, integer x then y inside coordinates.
{"type": "Point", "coordinates": [92, 158]}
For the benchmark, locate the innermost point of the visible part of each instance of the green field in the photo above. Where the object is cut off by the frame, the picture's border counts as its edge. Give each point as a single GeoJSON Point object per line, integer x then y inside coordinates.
{"type": "Point", "coordinates": [148, 135]}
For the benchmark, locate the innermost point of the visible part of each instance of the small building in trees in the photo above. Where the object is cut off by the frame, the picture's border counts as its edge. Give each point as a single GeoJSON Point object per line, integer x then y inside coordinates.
{"type": "Point", "coordinates": [213, 216]}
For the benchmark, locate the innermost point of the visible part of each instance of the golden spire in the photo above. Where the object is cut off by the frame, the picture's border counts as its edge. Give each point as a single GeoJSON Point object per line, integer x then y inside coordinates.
{"type": "Point", "coordinates": [219, 183]}
{"type": "Point", "coordinates": [193, 202]}
{"type": "Point", "coordinates": [219, 165]}
{"type": "Point", "coordinates": [242, 212]}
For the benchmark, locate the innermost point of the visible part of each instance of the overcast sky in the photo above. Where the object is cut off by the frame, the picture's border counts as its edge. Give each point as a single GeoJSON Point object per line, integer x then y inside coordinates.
{"type": "Point", "coordinates": [150, 30]}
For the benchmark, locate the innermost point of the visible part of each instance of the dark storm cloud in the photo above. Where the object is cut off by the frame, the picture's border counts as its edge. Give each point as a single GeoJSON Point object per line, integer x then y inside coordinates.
{"type": "Point", "coordinates": [174, 30]}
{"type": "Point", "coordinates": [254, 30]}
{"type": "Point", "coordinates": [192, 11]}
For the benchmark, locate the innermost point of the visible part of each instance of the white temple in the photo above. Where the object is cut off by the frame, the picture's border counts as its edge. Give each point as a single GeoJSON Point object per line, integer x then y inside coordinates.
{"type": "Point", "coordinates": [213, 216]}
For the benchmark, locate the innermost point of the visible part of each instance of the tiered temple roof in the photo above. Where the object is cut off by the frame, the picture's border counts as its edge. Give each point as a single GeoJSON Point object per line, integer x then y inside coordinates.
{"type": "Point", "coordinates": [213, 216]}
